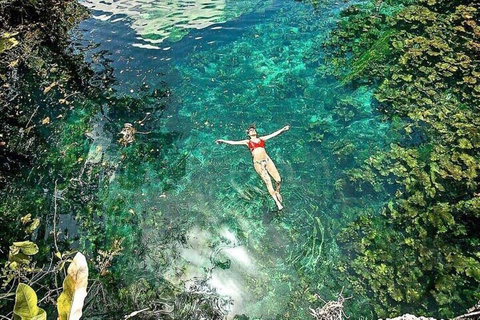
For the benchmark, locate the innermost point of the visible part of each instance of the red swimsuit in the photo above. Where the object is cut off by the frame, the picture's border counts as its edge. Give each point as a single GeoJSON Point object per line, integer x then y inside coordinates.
{"type": "Point", "coordinates": [253, 145]}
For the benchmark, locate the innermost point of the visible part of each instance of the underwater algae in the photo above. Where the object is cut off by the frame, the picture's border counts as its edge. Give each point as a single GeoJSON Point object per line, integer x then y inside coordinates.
{"type": "Point", "coordinates": [426, 84]}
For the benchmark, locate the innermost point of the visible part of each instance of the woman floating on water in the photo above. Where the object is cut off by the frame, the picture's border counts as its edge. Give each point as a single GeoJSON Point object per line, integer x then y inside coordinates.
{"type": "Point", "coordinates": [261, 161]}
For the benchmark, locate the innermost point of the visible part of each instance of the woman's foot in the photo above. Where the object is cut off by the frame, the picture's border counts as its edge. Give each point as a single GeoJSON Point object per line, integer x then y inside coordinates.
{"type": "Point", "coordinates": [279, 196]}
{"type": "Point", "coordinates": [279, 206]}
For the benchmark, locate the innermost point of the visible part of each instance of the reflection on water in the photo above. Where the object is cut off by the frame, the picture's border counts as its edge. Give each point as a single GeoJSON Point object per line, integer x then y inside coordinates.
{"type": "Point", "coordinates": [155, 21]}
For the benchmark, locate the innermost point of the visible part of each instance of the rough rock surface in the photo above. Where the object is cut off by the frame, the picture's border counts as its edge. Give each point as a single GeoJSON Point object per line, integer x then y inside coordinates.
{"type": "Point", "coordinates": [409, 317]}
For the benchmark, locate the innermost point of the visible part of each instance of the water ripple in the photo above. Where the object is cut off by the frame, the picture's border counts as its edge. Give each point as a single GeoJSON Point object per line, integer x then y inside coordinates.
{"type": "Point", "coordinates": [154, 21]}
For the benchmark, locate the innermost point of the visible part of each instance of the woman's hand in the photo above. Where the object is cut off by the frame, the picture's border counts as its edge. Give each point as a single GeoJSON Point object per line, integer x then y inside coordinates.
{"type": "Point", "coordinates": [219, 141]}
{"type": "Point", "coordinates": [286, 128]}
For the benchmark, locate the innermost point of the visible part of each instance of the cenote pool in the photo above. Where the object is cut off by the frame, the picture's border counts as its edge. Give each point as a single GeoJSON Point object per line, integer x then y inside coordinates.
{"type": "Point", "coordinates": [194, 216]}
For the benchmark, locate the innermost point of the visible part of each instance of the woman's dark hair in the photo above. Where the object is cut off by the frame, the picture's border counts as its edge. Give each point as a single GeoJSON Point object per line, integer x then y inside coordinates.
{"type": "Point", "coordinates": [250, 126]}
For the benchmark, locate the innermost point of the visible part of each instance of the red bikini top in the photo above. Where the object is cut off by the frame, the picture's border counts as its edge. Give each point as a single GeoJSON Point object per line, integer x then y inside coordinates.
{"type": "Point", "coordinates": [253, 145]}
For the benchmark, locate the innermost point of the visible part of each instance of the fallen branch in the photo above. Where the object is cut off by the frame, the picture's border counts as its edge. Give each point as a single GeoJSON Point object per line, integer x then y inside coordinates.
{"type": "Point", "coordinates": [33, 114]}
{"type": "Point", "coordinates": [133, 314]}
{"type": "Point", "coordinates": [473, 315]}
{"type": "Point", "coordinates": [332, 310]}
{"type": "Point", "coordinates": [55, 217]}
{"type": "Point", "coordinates": [128, 133]}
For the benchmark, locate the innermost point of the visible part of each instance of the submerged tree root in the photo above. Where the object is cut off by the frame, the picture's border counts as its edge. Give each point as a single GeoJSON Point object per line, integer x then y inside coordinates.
{"type": "Point", "coordinates": [332, 310]}
{"type": "Point", "coordinates": [128, 133]}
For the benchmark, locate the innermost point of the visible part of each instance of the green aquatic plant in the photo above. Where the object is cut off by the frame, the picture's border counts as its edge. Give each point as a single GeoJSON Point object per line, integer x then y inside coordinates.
{"type": "Point", "coordinates": [426, 82]}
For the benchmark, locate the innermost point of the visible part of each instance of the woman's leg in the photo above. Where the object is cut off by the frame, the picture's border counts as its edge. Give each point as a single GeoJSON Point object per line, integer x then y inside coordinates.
{"type": "Point", "coordinates": [272, 170]}
{"type": "Point", "coordinates": [261, 169]}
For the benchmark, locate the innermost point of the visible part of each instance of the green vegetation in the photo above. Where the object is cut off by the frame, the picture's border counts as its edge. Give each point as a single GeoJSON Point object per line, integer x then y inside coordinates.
{"type": "Point", "coordinates": [421, 253]}
{"type": "Point", "coordinates": [51, 164]}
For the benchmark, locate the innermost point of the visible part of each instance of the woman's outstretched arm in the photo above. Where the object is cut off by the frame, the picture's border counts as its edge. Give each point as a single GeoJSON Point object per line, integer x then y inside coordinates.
{"type": "Point", "coordinates": [276, 133]}
{"type": "Point", "coordinates": [239, 142]}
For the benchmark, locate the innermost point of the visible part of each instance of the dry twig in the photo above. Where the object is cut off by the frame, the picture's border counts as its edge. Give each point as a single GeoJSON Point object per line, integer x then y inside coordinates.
{"type": "Point", "coordinates": [133, 314]}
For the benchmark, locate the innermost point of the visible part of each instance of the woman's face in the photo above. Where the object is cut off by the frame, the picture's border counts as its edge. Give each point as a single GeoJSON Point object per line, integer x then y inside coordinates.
{"type": "Point", "coordinates": [252, 132]}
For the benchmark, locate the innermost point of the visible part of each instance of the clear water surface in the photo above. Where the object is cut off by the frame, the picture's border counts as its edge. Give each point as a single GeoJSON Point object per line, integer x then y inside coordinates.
{"type": "Point", "coordinates": [228, 64]}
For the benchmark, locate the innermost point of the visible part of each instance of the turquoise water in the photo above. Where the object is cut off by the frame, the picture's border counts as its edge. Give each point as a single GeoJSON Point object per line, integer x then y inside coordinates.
{"type": "Point", "coordinates": [200, 214]}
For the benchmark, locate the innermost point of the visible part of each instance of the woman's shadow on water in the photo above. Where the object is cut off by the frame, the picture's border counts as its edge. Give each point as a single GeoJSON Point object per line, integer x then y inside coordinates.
{"type": "Point", "coordinates": [272, 214]}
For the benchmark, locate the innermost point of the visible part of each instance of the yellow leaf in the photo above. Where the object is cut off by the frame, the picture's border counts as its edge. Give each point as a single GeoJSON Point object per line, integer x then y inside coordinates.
{"type": "Point", "coordinates": [48, 88]}
{"type": "Point", "coordinates": [26, 304]}
{"type": "Point", "coordinates": [7, 42]}
{"type": "Point", "coordinates": [7, 35]}
{"type": "Point", "coordinates": [19, 258]}
{"type": "Point", "coordinates": [70, 302]}
{"type": "Point", "coordinates": [26, 218]}
{"type": "Point", "coordinates": [27, 247]}
{"type": "Point", "coordinates": [46, 120]}
{"type": "Point", "coordinates": [34, 225]}
{"type": "Point", "coordinates": [14, 63]}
